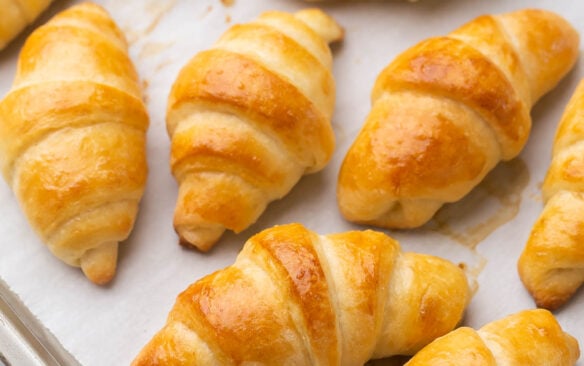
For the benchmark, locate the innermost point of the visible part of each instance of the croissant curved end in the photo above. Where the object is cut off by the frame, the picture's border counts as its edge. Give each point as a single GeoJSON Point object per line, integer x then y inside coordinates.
{"type": "Point", "coordinates": [99, 264]}
{"type": "Point", "coordinates": [16, 17]}
{"type": "Point", "coordinates": [203, 238]}
{"type": "Point", "coordinates": [550, 288]}
{"type": "Point", "coordinates": [323, 24]}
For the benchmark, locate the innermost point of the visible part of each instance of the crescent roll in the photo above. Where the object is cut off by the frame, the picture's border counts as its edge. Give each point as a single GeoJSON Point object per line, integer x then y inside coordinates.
{"type": "Point", "coordinates": [294, 297]}
{"type": "Point", "coordinates": [248, 118]}
{"type": "Point", "coordinates": [551, 265]}
{"type": "Point", "coordinates": [530, 337]}
{"type": "Point", "coordinates": [16, 15]}
{"type": "Point", "coordinates": [447, 110]}
{"type": "Point", "coordinates": [72, 138]}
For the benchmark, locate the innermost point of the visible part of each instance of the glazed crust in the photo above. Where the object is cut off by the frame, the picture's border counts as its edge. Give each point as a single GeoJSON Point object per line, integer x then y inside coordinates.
{"type": "Point", "coordinates": [294, 297]}
{"type": "Point", "coordinates": [446, 111]}
{"type": "Point", "coordinates": [551, 265]}
{"type": "Point", "coordinates": [530, 337]}
{"type": "Point", "coordinates": [73, 138]}
{"type": "Point", "coordinates": [16, 15]}
{"type": "Point", "coordinates": [247, 118]}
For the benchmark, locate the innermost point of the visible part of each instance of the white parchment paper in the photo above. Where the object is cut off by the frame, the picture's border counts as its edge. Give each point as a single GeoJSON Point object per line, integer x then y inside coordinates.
{"type": "Point", "coordinates": [487, 230]}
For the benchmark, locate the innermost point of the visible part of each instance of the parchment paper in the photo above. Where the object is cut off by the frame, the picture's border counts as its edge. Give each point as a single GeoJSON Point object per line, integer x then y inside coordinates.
{"type": "Point", "coordinates": [486, 231]}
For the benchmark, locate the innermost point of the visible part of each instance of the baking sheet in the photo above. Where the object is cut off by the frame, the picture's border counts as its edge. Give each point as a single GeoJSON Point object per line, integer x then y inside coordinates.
{"type": "Point", "coordinates": [487, 230]}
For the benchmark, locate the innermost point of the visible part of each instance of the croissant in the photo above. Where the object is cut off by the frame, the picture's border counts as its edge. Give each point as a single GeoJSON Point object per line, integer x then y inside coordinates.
{"type": "Point", "coordinates": [294, 297]}
{"type": "Point", "coordinates": [446, 111]}
{"type": "Point", "coordinates": [248, 118]}
{"type": "Point", "coordinates": [530, 337]}
{"type": "Point", "coordinates": [551, 265]}
{"type": "Point", "coordinates": [72, 138]}
{"type": "Point", "coordinates": [16, 15]}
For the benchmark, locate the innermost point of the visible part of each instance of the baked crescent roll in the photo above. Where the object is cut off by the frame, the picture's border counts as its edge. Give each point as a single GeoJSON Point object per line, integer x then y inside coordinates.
{"type": "Point", "coordinates": [447, 110]}
{"type": "Point", "coordinates": [72, 138]}
{"type": "Point", "coordinates": [16, 15]}
{"type": "Point", "coordinates": [248, 118]}
{"type": "Point", "coordinates": [552, 263]}
{"type": "Point", "coordinates": [530, 337]}
{"type": "Point", "coordinates": [294, 297]}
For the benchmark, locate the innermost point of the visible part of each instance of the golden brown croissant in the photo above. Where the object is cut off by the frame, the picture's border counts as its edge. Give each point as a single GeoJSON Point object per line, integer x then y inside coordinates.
{"type": "Point", "coordinates": [16, 15]}
{"type": "Point", "coordinates": [446, 111]}
{"type": "Point", "coordinates": [294, 297]}
{"type": "Point", "coordinates": [552, 263]}
{"type": "Point", "coordinates": [530, 337]}
{"type": "Point", "coordinates": [72, 138]}
{"type": "Point", "coordinates": [248, 118]}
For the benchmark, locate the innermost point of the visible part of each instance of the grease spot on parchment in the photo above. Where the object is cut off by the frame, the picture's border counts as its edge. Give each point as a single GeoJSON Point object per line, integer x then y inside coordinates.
{"type": "Point", "coordinates": [472, 272]}
{"type": "Point", "coordinates": [493, 203]}
{"type": "Point", "coordinates": [227, 2]}
{"type": "Point", "coordinates": [153, 48]}
{"type": "Point", "coordinates": [207, 11]}
{"type": "Point", "coordinates": [156, 10]}
{"type": "Point", "coordinates": [537, 194]}
{"type": "Point", "coordinates": [497, 199]}
{"type": "Point", "coordinates": [163, 64]}
{"type": "Point", "coordinates": [145, 95]}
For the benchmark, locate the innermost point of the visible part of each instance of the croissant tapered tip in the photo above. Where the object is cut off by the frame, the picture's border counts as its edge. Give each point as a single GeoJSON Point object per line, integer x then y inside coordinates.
{"type": "Point", "coordinates": [550, 301]}
{"type": "Point", "coordinates": [201, 238]}
{"type": "Point", "coordinates": [99, 264]}
{"type": "Point", "coordinates": [322, 23]}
